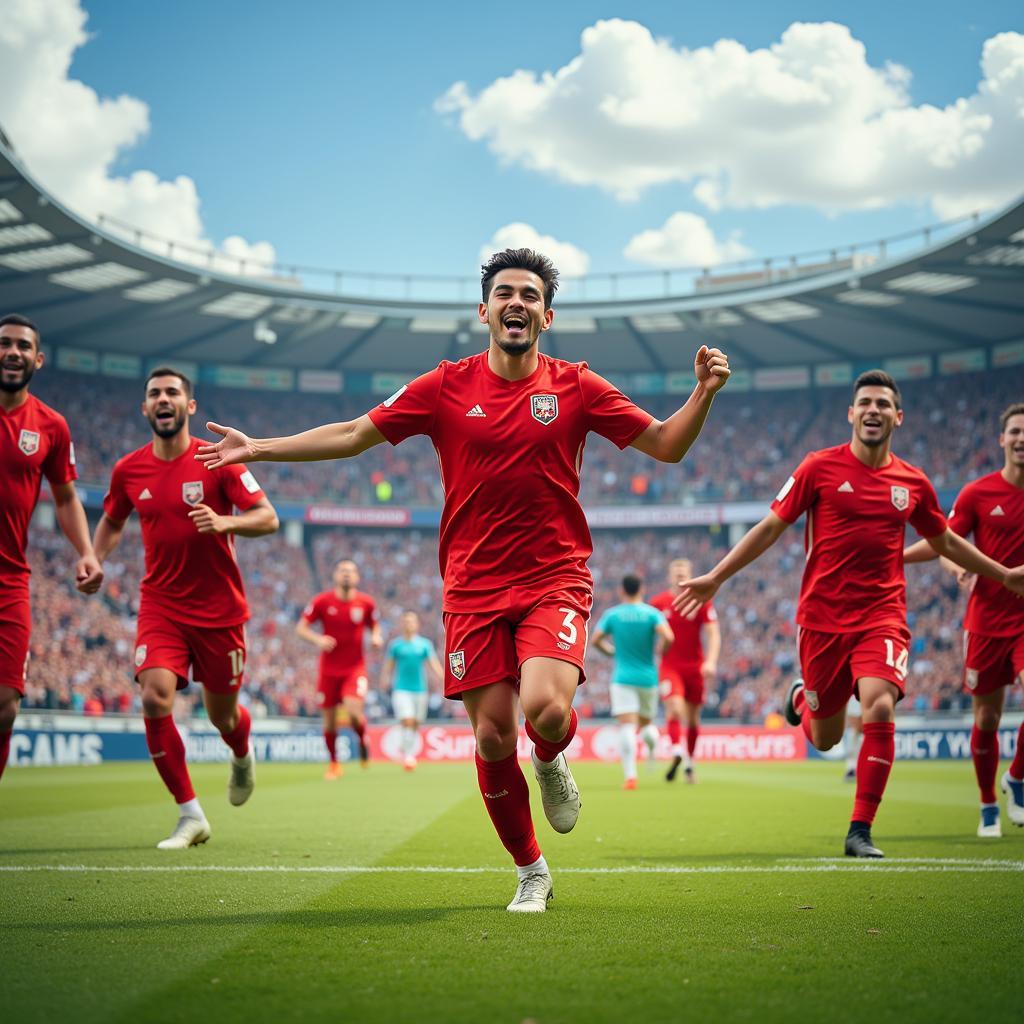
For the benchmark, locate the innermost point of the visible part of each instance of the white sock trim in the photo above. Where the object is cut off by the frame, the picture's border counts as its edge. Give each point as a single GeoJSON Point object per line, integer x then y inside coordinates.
{"type": "Point", "coordinates": [192, 809]}
{"type": "Point", "coordinates": [539, 866]}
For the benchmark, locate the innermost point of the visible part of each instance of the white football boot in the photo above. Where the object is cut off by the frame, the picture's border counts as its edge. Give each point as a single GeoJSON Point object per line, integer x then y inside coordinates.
{"type": "Point", "coordinates": [988, 826]}
{"type": "Point", "coordinates": [1014, 791]}
{"type": "Point", "coordinates": [242, 778]}
{"type": "Point", "coordinates": [532, 894]}
{"type": "Point", "coordinates": [558, 792]}
{"type": "Point", "coordinates": [188, 832]}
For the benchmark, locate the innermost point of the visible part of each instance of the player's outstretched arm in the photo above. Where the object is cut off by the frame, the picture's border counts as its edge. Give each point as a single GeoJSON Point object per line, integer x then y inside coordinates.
{"type": "Point", "coordinates": [922, 551]}
{"type": "Point", "coordinates": [74, 525]}
{"type": "Point", "coordinates": [331, 441]}
{"type": "Point", "coordinates": [954, 547]}
{"type": "Point", "coordinates": [693, 593]}
{"type": "Point", "coordinates": [669, 440]}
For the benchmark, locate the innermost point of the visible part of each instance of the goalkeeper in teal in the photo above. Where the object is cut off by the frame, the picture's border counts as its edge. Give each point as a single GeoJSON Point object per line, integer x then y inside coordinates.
{"type": "Point", "coordinates": [405, 670]}
{"type": "Point", "coordinates": [634, 634]}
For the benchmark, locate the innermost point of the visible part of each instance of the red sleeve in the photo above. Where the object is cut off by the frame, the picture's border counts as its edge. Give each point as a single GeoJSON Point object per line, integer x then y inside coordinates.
{"type": "Point", "coordinates": [707, 614]}
{"type": "Point", "coordinates": [963, 517]}
{"type": "Point", "coordinates": [927, 517]}
{"type": "Point", "coordinates": [410, 410]}
{"type": "Point", "coordinates": [313, 612]}
{"type": "Point", "coordinates": [59, 466]}
{"type": "Point", "coordinates": [116, 503]}
{"type": "Point", "coordinates": [798, 493]}
{"type": "Point", "coordinates": [240, 486]}
{"type": "Point", "coordinates": [609, 412]}
{"type": "Point", "coordinates": [371, 611]}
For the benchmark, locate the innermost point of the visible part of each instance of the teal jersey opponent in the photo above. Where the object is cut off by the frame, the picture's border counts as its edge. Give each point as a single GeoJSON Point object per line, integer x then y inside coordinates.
{"type": "Point", "coordinates": [410, 658]}
{"type": "Point", "coordinates": [633, 629]}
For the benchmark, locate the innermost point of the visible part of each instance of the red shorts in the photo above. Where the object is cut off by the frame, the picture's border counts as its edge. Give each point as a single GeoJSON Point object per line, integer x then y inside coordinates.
{"type": "Point", "coordinates": [15, 629]}
{"type": "Point", "coordinates": [333, 687]}
{"type": "Point", "coordinates": [490, 647]}
{"type": "Point", "coordinates": [215, 655]}
{"type": "Point", "coordinates": [832, 663]}
{"type": "Point", "coordinates": [687, 683]}
{"type": "Point", "coordinates": [991, 662]}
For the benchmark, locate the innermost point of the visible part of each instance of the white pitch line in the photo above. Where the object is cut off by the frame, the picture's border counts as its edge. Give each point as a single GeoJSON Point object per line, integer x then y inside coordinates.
{"type": "Point", "coordinates": [820, 866]}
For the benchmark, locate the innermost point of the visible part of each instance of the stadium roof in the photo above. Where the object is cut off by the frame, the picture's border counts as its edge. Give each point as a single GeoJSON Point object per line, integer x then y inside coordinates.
{"type": "Point", "coordinates": [90, 288]}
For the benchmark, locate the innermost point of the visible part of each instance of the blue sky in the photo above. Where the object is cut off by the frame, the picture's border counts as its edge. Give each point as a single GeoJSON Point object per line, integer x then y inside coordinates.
{"type": "Point", "coordinates": [314, 125]}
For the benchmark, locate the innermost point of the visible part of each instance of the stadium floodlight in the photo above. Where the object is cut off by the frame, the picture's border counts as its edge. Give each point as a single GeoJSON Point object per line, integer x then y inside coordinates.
{"type": "Point", "coordinates": [781, 311]}
{"type": "Point", "coordinates": [45, 259]}
{"type": "Point", "coordinates": [23, 234]}
{"type": "Point", "coordinates": [98, 277]}
{"type": "Point", "coordinates": [720, 318]}
{"type": "Point", "coordinates": [359, 321]}
{"type": "Point", "coordinates": [997, 256]}
{"type": "Point", "coordinates": [860, 297]}
{"type": "Point", "coordinates": [433, 325]}
{"type": "Point", "coordinates": [575, 325]}
{"type": "Point", "coordinates": [264, 333]}
{"type": "Point", "coordinates": [8, 211]}
{"type": "Point", "coordinates": [655, 323]}
{"type": "Point", "coordinates": [160, 291]}
{"type": "Point", "coordinates": [239, 305]}
{"type": "Point", "coordinates": [930, 283]}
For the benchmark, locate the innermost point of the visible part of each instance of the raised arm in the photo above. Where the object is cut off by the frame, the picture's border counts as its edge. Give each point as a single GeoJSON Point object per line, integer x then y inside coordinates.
{"type": "Point", "coordinates": [952, 546]}
{"type": "Point", "coordinates": [331, 441]}
{"type": "Point", "coordinates": [669, 440]}
{"type": "Point", "coordinates": [74, 525]}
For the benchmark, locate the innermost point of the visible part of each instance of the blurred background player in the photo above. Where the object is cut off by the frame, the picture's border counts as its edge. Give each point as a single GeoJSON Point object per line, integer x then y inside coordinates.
{"type": "Point", "coordinates": [509, 425]}
{"type": "Point", "coordinates": [637, 633]}
{"type": "Point", "coordinates": [852, 614]}
{"type": "Point", "coordinates": [193, 610]}
{"type": "Point", "coordinates": [34, 442]}
{"type": "Point", "coordinates": [688, 665]}
{"type": "Point", "coordinates": [992, 509]}
{"type": "Point", "coordinates": [405, 667]}
{"type": "Point", "coordinates": [344, 614]}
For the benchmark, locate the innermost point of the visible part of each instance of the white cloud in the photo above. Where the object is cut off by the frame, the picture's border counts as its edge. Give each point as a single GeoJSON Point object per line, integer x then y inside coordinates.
{"type": "Point", "coordinates": [570, 260]}
{"type": "Point", "coordinates": [807, 121]}
{"type": "Point", "coordinates": [685, 240]}
{"type": "Point", "coordinates": [70, 138]}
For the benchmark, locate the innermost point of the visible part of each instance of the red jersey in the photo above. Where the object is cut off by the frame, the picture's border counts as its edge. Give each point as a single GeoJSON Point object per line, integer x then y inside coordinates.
{"type": "Point", "coordinates": [687, 649]}
{"type": "Point", "coordinates": [346, 621]}
{"type": "Point", "coordinates": [856, 523]}
{"type": "Point", "coordinates": [191, 577]}
{"type": "Point", "coordinates": [510, 453]}
{"type": "Point", "coordinates": [993, 510]}
{"type": "Point", "coordinates": [34, 442]}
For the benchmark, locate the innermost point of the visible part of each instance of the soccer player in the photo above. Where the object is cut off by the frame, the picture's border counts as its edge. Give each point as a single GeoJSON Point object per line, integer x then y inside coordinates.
{"type": "Point", "coordinates": [509, 426]}
{"type": "Point", "coordinates": [992, 509]}
{"type": "Point", "coordinates": [408, 657]}
{"type": "Point", "coordinates": [688, 665]}
{"type": "Point", "coordinates": [852, 613]}
{"type": "Point", "coordinates": [34, 442]}
{"type": "Point", "coordinates": [638, 632]}
{"type": "Point", "coordinates": [193, 609]}
{"type": "Point", "coordinates": [344, 614]}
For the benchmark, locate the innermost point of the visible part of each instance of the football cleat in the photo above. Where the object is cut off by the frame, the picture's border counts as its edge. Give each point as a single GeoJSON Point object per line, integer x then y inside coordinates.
{"type": "Point", "coordinates": [851, 775]}
{"type": "Point", "coordinates": [558, 792]}
{"type": "Point", "coordinates": [1014, 791]}
{"type": "Point", "coordinates": [532, 894]}
{"type": "Point", "coordinates": [409, 764]}
{"type": "Point", "coordinates": [789, 710]}
{"type": "Point", "coordinates": [242, 779]}
{"type": "Point", "coordinates": [688, 774]}
{"type": "Point", "coordinates": [629, 784]}
{"type": "Point", "coordinates": [859, 844]}
{"type": "Point", "coordinates": [334, 771]}
{"type": "Point", "coordinates": [188, 832]}
{"type": "Point", "coordinates": [989, 826]}
{"type": "Point", "coordinates": [670, 775]}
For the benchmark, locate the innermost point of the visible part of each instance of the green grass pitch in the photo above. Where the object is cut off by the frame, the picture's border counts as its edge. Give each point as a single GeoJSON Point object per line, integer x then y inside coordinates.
{"type": "Point", "coordinates": [675, 902]}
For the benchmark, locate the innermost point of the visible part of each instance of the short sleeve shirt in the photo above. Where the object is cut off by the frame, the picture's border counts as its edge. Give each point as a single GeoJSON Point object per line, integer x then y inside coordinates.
{"type": "Point", "coordinates": [346, 621]}
{"type": "Point", "coordinates": [633, 629]}
{"type": "Point", "coordinates": [410, 658]}
{"type": "Point", "coordinates": [686, 652]}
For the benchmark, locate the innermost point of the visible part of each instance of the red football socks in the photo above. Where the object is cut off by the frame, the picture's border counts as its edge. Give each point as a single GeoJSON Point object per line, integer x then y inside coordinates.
{"type": "Point", "coordinates": [692, 732]}
{"type": "Point", "coordinates": [877, 753]}
{"type": "Point", "coordinates": [507, 799]}
{"type": "Point", "coordinates": [1017, 768]}
{"type": "Point", "coordinates": [548, 751]}
{"type": "Point", "coordinates": [168, 753]}
{"type": "Point", "coordinates": [5, 749]}
{"type": "Point", "coordinates": [675, 731]}
{"type": "Point", "coordinates": [985, 752]}
{"type": "Point", "coordinates": [238, 738]}
{"type": "Point", "coordinates": [331, 739]}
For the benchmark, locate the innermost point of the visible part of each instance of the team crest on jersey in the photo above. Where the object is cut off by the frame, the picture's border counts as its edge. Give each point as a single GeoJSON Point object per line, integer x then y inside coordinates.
{"type": "Point", "coordinates": [140, 655]}
{"type": "Point", "coordinates": [544, 408]}
{"type": "Point", "coordinates": [192, 492]}
{"type": "Point", "coordinates": [971, 679]}
{"type": "Point", "coordinates": [457, 663]}
{"type": "Point", "coordinates": [811, 697]}
{"type": "Point", "coordinates": [900, 497]}
{"type": "Point", "coordinates": [28, 441]}
{"type": "Point", "coordinates": [357, 615]}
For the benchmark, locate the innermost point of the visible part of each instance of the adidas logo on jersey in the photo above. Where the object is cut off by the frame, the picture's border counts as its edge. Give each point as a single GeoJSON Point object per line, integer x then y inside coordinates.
{"type": "Point", "coordinates": [998, 511]}
{"type": "Point", "coordinates": [476, 411]}
{"type": "Point", "coordinates": [846, 487]}
{"type": "Point", "coordinates": [145, 494]}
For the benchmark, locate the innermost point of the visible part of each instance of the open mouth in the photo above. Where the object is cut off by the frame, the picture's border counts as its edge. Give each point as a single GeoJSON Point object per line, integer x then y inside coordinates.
{"type": "Point", "coordinates": [165, 417]}
{"type": "Point", "coordinates": [515, 324]}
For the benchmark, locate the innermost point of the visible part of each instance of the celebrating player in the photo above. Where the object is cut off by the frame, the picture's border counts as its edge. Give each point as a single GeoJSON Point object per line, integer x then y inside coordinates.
{"type": "Point", "coordinates": [193, 609]}
{"type": "Point", "coordinates": [34, 442]}
{"type": "Point", "coordinates": [992, 508]}
{"type": "Point", "coordinates": [343, 614]}
{"type": "Point", "coordinates": [852, 614]}
{"type": "Point", "coordinates": [408, 656]}
{"type": "Point", "coordinates": [509, 427]}
{"type": "Point", "coordinates": [688, 665]}
{"type": "Point", "coordinates": [638, 632]}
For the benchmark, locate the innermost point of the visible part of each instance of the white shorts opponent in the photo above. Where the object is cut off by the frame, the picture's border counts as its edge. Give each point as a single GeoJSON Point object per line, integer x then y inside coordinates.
{"type": "Point", "coordinates": [409, 704]}
{"type": "Point", "coordinates": [636, 700]}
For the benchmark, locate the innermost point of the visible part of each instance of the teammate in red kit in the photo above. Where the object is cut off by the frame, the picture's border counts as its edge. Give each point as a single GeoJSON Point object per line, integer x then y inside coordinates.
{"type": "Point", "coordinates": [992, 508]}
{"type": "Point", "coordinates": [509, 426]}
{"type": "Point", "coordinates": [688, 665]}
{"type": "Point", "coordinates": [34, 442]}
{"type": "Point", "coordinates": [193, 608]}
{"type": "Point", "coordinates": [852, 614]}
{"type": "Point", "coordinates": [344, 615]}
